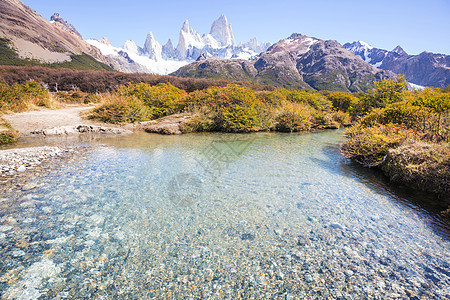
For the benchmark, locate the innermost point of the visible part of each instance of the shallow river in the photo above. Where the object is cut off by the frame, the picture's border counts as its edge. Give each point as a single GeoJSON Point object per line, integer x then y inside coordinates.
{"type": "Point", "coordinates": [219, 216]}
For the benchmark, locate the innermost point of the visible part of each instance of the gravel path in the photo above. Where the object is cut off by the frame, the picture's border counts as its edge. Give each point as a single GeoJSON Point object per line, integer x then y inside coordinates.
{"type": "Point", "coordinates": [58, 122]}
{"type": "Point", "coordinates": [29, 121]}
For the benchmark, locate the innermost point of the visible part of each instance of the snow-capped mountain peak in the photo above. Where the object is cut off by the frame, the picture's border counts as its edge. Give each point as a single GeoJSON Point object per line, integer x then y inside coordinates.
{"type": "Point", "coordinates": [358, 46]}
{"type": "Point", "coordinates": [364, 45]}
{"type": "Point", "coordinates": [367, 52]}
{"type": "Point", "coordinates": [130, 46]}
{"type": "Point", "coordinates": [155, 58]}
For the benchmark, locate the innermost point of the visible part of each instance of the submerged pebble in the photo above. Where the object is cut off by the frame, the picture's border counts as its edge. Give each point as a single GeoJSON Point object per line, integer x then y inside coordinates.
{"type": "Point", "coordinates": [102, 226]}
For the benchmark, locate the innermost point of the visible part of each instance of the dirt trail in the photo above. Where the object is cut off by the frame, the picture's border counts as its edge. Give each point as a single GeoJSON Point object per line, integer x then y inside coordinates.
{"type": "Point", "coordinates": [41, 119]}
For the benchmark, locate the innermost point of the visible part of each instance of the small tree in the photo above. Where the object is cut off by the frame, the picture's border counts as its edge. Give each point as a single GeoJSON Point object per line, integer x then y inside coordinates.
{"type": "Point", "coordinates": [386, 92]}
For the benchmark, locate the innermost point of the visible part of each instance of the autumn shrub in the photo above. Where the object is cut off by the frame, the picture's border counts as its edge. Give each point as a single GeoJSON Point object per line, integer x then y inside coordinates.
{"type": "Point", "coordinates": [232, 108]}
{"type": "Point", "coordinates": [162, 99]}
{"type": "Point", "coordinates": [120, 109]}
{"type": "Point", "coordinates": [385, 92]}
{"type": "Point", "coordinates": [431, 119]}
{"type": "Point", "coordinates": [346, 102]}
{"type": "Point", "coordinates": [19, 97]}
{"type": "Point", "coordinates": [7, 134]}
{"type": "Point", "coordinates": [199, 123]}
{"type": "Point", "coordinates": [91, 98]}
{"type": "Point", "coordinates": [342, 118]}
{"type": "Point", "coordinates": [370, 145]}
{"type": "Point", "coordinates": [439, 102]}
{"type": "Point", "coordinates": [273, 98]}
{"type": "Point", "coordinates": [402, 113]}
{"type": "Point", "coordinates": [314, 99]}
{"type": "Point", "coordinates": [425, 166]}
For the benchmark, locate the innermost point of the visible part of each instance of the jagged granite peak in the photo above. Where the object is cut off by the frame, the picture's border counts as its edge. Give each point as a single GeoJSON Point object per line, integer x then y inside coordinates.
{"type": "Point", "coordinates": [188, 41]}
{"type": "Point", "coordinates": [56, 18]}
{"type": "Point", "coordinates": [152, 48]}
{"type": "Point", "coordinates": [399, 50]}
{"type": "Point", "coordinates": [185, 26]}
{"type": "Point", "coordinates": [255, 46]}
{"type": "Point", "coordinates": [222, 31]}
{"type": "Point", "coordinates": [168, 52]}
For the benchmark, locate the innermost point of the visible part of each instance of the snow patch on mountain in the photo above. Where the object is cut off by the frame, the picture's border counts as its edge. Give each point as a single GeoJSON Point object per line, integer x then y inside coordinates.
{"type": "Point", "coordinates": [415, 86]}
{"type": "Point", "coordinates": [104, 48]}
{"type": "Point", "coordinates": [136, 55]}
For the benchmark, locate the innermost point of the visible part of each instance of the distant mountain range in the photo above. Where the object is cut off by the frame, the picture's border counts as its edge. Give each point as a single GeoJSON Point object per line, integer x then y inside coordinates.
{"type": "Point", "coordinates": [163, 59]}
{"type": "Point", "coordinates": [425, 69]}
{"type": "Point", "coordinates": [26, 38]}
{"type": "Point", "coordinates": [298, 62]}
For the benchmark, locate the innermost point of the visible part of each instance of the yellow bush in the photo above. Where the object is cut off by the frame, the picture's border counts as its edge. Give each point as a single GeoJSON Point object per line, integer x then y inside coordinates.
{"type": "Point", "coordinates": [120, 109]}
{"type": "Point", "coordinates": [162, 99]}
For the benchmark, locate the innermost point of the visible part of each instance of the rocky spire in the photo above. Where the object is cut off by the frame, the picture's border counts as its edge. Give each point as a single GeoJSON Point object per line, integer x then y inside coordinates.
{"type": "Point", "coordinates": [221, 30]}
{"type": "Point", "coordinates": [152, 48]}
{"type": "Point", "coordinates": [61, 23]}
{"type": "Point", "coordinates": [168, 52]}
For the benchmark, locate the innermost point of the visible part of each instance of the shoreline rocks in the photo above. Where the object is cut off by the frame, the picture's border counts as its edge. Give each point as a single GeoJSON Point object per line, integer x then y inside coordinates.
{"type": "Point", "coordinates": [79, 129]}
{"type": "Point", "coordinates": [18, 160]}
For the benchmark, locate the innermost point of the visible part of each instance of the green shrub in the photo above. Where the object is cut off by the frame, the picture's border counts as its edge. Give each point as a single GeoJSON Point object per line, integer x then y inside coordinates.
{"type": "Point", "coordinates": [292, 121]}
{"type": "Point", "coordinates": [8, 137]}
{"type": "Point", "coordinates": [232, 108]}
{"type": "Point", "coordinates": [240, 119]}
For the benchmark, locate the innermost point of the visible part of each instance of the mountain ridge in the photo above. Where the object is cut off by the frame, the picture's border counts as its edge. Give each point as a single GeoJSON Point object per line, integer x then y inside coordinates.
{"type": "Point", "coordinates": [34, 38]}
{"type": "Point", "coordinates": [424, 69]}
{"type": "Point", "coordinates": [298, 61]}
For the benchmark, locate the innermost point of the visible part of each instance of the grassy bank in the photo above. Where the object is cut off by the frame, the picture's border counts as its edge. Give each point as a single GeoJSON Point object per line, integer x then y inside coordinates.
{"type": "Point", "coordinates": [404, 133]}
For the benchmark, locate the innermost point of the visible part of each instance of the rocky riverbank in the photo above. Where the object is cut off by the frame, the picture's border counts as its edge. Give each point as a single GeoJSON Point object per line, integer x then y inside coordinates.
{"type": "Point", "coordinates": [19, 160]}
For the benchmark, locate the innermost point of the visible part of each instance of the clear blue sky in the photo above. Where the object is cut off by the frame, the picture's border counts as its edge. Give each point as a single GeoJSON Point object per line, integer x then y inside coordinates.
{"type": "Point", "coordinates": [416, 25]}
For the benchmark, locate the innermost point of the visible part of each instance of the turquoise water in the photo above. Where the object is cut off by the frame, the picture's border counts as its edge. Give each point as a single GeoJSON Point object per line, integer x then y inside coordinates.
{"type": "Point", "coordinates": [219, 216]}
